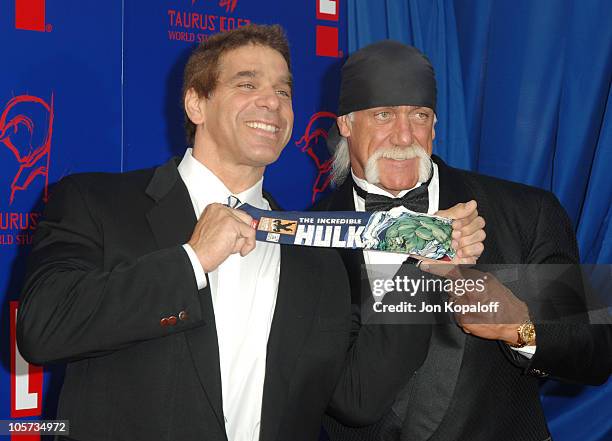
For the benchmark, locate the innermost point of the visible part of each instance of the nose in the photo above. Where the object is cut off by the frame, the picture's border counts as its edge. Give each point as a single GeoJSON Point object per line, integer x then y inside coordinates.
{"type": "Point", "coordinates": [402, 131]}
{"type": "Point", "coordinates": [268, 99]}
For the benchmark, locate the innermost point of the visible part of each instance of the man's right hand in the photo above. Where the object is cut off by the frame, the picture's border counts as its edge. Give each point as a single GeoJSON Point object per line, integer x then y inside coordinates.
{"type": "Point", "coordinates": [468, 232]}
{"type": "Point", "coordinates": [221, 231]}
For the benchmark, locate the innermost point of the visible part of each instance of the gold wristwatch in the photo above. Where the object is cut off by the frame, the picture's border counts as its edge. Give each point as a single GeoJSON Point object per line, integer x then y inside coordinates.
{"type": "Point", "coordinates": [526, 334]}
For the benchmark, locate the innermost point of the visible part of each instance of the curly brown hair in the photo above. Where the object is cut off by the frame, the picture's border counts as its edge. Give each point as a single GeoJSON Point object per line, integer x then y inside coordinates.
{"type": "Point", "coordinates": [202, 69]}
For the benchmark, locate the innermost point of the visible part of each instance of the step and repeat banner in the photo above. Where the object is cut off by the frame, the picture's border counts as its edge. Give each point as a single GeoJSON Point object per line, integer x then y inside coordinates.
{"type": "Point", "coordinates": [96, 86]}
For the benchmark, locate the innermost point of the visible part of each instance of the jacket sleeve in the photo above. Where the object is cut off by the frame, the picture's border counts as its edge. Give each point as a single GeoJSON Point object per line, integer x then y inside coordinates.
{"type": "Point", "coordinates": [569, 347]}
{"type": "Point", "coordinates": [72, 307]}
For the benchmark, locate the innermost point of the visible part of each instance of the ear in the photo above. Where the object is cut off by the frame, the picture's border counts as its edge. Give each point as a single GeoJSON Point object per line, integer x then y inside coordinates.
{"type": "Point", "coordinates": [344, 125]}
{"type": "Point", "coordinates": [194, 107]}
{"type": "Point", "coordinates": [433, 132]}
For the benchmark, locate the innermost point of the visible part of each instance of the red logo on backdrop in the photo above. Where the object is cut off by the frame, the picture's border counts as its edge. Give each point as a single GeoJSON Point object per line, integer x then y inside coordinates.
{"type": "Point", "coordinates": [229, 5]}
{"type": "Point", "coordinates": [314, 144]}
{"type": "Point", "coordinates": [26, 133]}
{"type": "Point", "coordinates": [30, 15]}
{"type": "Point", "coordinates": [195, 26]}
{"type": "Point", "coordinates": [327, 36]}
{"type": "Point", "coordinates": [26, 379]}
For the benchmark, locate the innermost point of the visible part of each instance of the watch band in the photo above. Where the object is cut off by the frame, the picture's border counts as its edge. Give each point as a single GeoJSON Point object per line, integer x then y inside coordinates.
{"type": "Point", "coordinates": [526, 334]}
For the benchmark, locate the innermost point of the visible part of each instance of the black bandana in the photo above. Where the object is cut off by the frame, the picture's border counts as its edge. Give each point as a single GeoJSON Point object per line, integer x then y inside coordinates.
{"type": "Point", "coordinates": [387, 73]}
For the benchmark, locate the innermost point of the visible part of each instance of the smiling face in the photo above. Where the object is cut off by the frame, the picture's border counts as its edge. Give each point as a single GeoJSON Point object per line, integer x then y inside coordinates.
{"type": "Point", "coordinates": [247, 120]}
{"type": "Point", "coordinates": [388, 137]}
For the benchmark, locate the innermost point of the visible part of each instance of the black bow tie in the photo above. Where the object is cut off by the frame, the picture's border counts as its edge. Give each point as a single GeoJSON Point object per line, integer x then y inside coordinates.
{"type": "Point", "coordinates": [415, 200]}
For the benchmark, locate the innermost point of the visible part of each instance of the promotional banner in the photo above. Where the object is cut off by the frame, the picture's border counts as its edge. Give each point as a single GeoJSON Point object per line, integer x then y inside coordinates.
{"type": "Point", "coordinates": [398, 230]}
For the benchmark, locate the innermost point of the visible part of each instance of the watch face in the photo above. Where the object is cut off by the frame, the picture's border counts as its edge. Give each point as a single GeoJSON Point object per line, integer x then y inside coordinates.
{"type": "Point", "coordinates": [527, 333]}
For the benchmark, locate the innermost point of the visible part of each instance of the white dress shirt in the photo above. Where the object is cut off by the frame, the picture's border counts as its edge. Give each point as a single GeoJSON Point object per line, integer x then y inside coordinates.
{"type": "Point", "coordinates": [244, 291]}
{"type": "Point", "coordinates": [390, 262]}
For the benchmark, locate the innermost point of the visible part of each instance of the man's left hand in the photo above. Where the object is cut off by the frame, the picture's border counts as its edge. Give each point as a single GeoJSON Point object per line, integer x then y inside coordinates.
{"type": "Point", "coordinates": [505, 311]}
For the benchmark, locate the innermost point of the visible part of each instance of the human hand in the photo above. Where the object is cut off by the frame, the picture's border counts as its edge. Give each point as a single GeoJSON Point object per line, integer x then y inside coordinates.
{"type": "Point", "coordinates": [221, 231]}
{"type": "Point", "coordinates": [468, 232]}
{"type": "Point", "coordinates": [483, 306]}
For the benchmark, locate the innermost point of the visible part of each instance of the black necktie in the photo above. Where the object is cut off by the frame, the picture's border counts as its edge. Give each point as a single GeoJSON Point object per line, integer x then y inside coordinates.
{"type": "Point", "coordinates": [415, 200]}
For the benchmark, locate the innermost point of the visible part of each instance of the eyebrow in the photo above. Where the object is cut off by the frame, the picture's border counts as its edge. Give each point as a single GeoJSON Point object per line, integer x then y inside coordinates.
{"type": "Point", "coordinates": [423, 108]}
{"type": "Point", "coordinates": [414, 108]}
{"type": "Point", "coordinates": [244, 74]}
{"type": "Point", "coordinates": [287, 79]}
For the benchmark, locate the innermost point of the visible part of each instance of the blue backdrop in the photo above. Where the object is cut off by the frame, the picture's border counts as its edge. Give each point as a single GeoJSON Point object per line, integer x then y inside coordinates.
{"type": "Point", "coordinates": [96, 86]}
{"type": "Point", "coordinates": [523, 94]}
{"type": "Point", "coordinates": [93, 86]}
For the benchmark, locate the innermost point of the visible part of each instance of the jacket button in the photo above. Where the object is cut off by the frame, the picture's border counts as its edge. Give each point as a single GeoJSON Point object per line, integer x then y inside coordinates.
{"type": "Point", "coordinates": [539, 373]}
{"type": "Point", "coordinates": [183, 315]}
{"type": "Point", "coordinates": [163, 322]}
{"type": "Point", "coordinates": [172, 320]}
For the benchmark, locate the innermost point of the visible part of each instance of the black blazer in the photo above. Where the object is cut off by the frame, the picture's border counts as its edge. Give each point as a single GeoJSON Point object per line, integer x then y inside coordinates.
{"type": "Point", "coordinates": [107, 267]}
{"type": "Point", "coordinates": [474, 389]}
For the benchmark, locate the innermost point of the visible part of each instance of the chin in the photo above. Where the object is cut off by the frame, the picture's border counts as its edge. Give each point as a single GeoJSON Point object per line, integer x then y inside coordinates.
{"type": "Point", "coordinates": [398, 180]}
{"type": "Point", "coordinates": [397, 186]}
{"type": "Point", "coordinates": [264, 158]}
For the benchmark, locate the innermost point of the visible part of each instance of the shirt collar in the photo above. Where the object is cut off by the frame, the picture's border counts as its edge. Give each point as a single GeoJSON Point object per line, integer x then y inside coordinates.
{"type": "Point", "coordinates": [371, 188]}
{"type": "Point", "coordinates": [205, 187]}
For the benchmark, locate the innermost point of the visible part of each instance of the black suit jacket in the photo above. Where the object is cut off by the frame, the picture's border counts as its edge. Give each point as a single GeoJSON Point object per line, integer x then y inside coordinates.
{"type": "Point", "coordinates": [107, 266]}
{"type": "Point", "coordinates": [474, 389]}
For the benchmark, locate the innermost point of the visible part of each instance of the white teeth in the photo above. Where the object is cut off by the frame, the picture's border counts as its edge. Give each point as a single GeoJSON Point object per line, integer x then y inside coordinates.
{"type": "Point", "coordinates": [262, 126]}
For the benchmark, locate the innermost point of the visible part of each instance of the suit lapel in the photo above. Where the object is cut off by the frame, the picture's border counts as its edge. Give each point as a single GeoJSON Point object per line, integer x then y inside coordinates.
{"type": "Point", "coordinates": [172, 220]}
{"type": "Point", "coordinates": [293, 319]}
{"type": "Point", "coordinates": [354, 262]}
{"type": "Point", "coordinates": [343, 200]}
{"type": "Point", "coordinates": [427, 397]}
{"type": "Point", "coordinates": [454, 189]}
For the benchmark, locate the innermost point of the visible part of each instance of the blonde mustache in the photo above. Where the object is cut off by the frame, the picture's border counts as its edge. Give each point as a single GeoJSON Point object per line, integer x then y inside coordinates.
{"type": "Point", "coordinates": [398, 153]}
